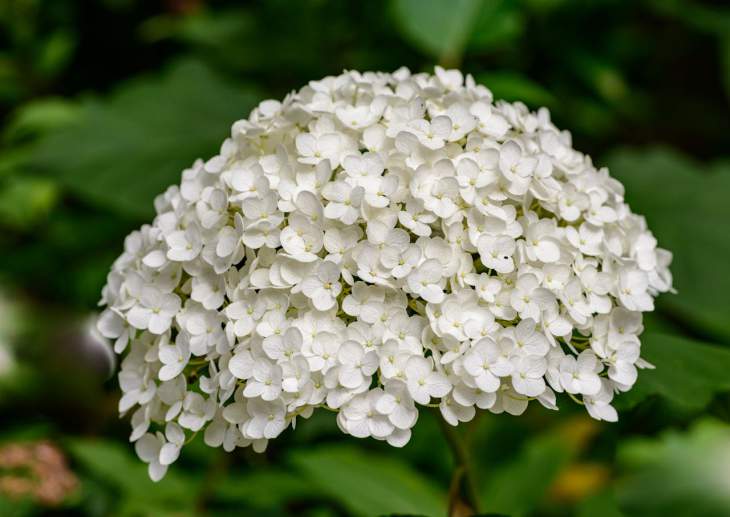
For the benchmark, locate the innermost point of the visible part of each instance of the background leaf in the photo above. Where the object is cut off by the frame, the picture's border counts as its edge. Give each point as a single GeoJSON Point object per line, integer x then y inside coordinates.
{"type": "Point", "coordinates": [603, 504]}
{"type": "Point", "coordinates": [513, 87]}
{"type": "Point", "coordinates": [498, 23]}
{"type": "Point", "coordinates": [687, 209]}
{"type": "Point", "coordinates": [369, 484]}
{"type": "Point", "coordinates": [516, 487]}
{"type": "Point", "coordinates": [445, 29]}
{"type": "Point", "coordinates": [111, 463]}
{"type": "Point", "coordinates": [687, 372]}
{"type": "Point", "coordinates": [686, 473]}
{"type": "Point", "coordinates": [265, 488]}
{"type": "Point", "coordinates": [441, 29]}
{"type": "Point", "coordinates": [122, 152]}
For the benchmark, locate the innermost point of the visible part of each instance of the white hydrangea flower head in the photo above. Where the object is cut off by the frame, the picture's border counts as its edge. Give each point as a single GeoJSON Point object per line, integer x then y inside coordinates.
{"type": "Point", "coordinates": [373, 244]}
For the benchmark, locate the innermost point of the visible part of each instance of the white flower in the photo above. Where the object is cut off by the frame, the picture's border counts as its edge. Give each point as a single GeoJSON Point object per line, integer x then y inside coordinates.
{"type": "Point", "coordinates": [486, 362]}
{"type": "Point", "coordinates": [302, 239]}
{"type": "Point", "coordinates": [344, 201]}
{"type": "Point", "coordinates": [209, 290]}
{"type": "Point", "coordinates": [267, 419]}
{"type": "Point", "coordinates": [424, 383]}
{"type": "Point", "coordinates": [526, 339]}
{"type": "Point", "coordinates": [599, 405]}
{"type": "Point", "coordinates": [449, 79]}
{"type": "Point", "coordinates": [587, 239]}
{"type": "Point", "coordinates": [622, 361]}
{"type": "Point", "coordinates": [528, 298]}
{"type": "Point", "coordinates": [632, 290]}
{"type": "Point", "coordinates": [283, 346]}
{"type": "Point", "coordinates": [489, 121]}
{"type": "Point", "coordinates": [453, 412]}
{"type": "Point", "coordinates": [170, 451]}
{"type": "Point", "coordinates": [540, 241]}
{"type": "Point", "coordinates": [196, 411]}
{"type": "Point", "coordinates": [580, 375]}
{"type": "Point", "coordinates": [372, 244]}
{"type": "Point", "coordinates": [361, 418]}
{"type": "Point", "coordinates": [527, 377]}
{"type": "Point", "coordinates": [241, 365]}
{"type": "Point", "coordinates": [398, 405]}
{"type": "Point", "coordinates": [174, 358]}
{"type": "Point", "coordinates": [355, 365]}
{"type": "Point", "coordinates": [148, 449]}
{"type": "Point", "coordinates": [112, 325]}
{"type": "Point", "coordinates": [425, 281]}
{"type": "Point", "coordinates": [323, 287]}
{"type": "Point", "coordinates": [155, 311]}
{"type": "Point", "coordinates": [265, 382]}
{"type": "Point", "coordinates": [184, 245]}
{"type": "Point", "coordinates": [433, 134]}
{"type": "Point", "coordinates": [496, 252]}
{"type": "Point", "coordinates": [323, 352]}
{"type": "Point", "coordinates": [313, 149]}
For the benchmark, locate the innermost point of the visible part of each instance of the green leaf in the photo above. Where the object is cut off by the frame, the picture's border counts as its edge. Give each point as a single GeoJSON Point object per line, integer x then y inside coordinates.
{"type": "Point", "coordinates": [725, 63]}
{"type": "Point", "coordinates": [475, 515]}
{"type": "Point", "coordinates": [499, 23]}
{"type": "Point", "coordinates": [25, 201]}
{"type": "Point", "coordinates": [263, 488]}
{"type": "Point", "coordinates": [601, 76]}
{"type": "Point", "coordinates": [603, 504]}
{"type": "Point", "coordinates": [17, 507]}
{"type": "Point", "coordinates": [40, 116]}
{"type": "Point", "coordinates": [516, 87]}
{"type": "Point", "coordinates": [517, 487]}
{"type": "Point", "coordinates": [704, 18]}
{"type": "Point", "coordinates": [116, 465]}
{"type": "Point", "coordinates": [445, 29]}
{"type": "Point", "coordinates": [439, 28]}
{"type": "Point", "coordinates": [686, 206]}
{"type": "Point", "coordinates": [55, 53]}
{"type": "Point", "coordinates": [128, 148]}
{"type": "Point", "coordinates": [368, 483]}
{"type": "Point", "coordinates": [687, 372]}
{"type": "Point", "coordinates": [682, 474]}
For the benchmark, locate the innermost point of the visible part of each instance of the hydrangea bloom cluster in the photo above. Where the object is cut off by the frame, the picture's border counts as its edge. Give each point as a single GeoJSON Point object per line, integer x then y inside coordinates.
{"type": "Point", "coordinates": [374, 244]}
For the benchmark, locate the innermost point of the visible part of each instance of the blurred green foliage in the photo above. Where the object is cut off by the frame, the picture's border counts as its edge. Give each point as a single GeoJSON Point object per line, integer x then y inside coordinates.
{"type": "Point", "coordinates": [103, 103]}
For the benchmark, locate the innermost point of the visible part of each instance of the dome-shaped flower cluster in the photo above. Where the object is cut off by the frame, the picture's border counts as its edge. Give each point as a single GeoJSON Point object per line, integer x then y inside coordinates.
{"type": "Point", "coordinates": [373, 244]}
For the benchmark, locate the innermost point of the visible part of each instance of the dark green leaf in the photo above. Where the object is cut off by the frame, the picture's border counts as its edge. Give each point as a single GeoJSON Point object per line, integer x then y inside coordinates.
{"type": "Point", "coordinates": [441, 29]}
{"type": "Point", "coordinates": [446, 29]}
{"type": "Point", "coordinates": [603, 504]}
{"type": "Point", "coordinates": [516, 87]}
{"type": "Point", "coordinates": [725, 63]}
{"type": "Point", "coordinates": [498, 23]}
{"type": "Point", "coordinates": [712, 20]}
{"type": "Point", "coordinates": [40, 116]}
{"type": "Point", "coordinates": [127, 149]}
{"type": "Point", "coordinates": [116, 465]}
{"type": "Point", "coordinates": [687, 209]}
{"type": "Point", "coordinates": [56, 51]}
{"type": "Point", "coordinates": [368, 483]}
{"type": "Point", "coordinates": [263, 489]}
{"type": "Point", "coordinates": [475, 515]}
{"type": "Point", "coordinates": [26, 200]}
{"type": "Point", "coordinates": [517, 487]}
{"type": "Point", "coordinates": [683, 474]}
{"type": "Point", "coordinates": [687, 372]}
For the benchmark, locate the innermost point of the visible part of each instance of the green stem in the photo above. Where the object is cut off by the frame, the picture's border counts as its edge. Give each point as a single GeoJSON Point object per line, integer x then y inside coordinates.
{"type": "Point", "coordinates": [463, 468]}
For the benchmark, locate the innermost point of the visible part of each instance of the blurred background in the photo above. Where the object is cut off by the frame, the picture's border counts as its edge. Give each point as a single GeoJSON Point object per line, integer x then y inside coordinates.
{"type": "Point", "coordinates": [103, 103]}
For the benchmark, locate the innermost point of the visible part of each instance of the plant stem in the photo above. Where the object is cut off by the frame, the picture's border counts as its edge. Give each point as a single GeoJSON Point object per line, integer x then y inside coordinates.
{"type": "Point", "coordinates": [463, 471]}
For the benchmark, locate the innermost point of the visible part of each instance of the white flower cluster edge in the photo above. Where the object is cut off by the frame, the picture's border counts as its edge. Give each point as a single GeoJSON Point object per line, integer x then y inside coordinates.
{"type": "Point", "coordinates": [374, 244]}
